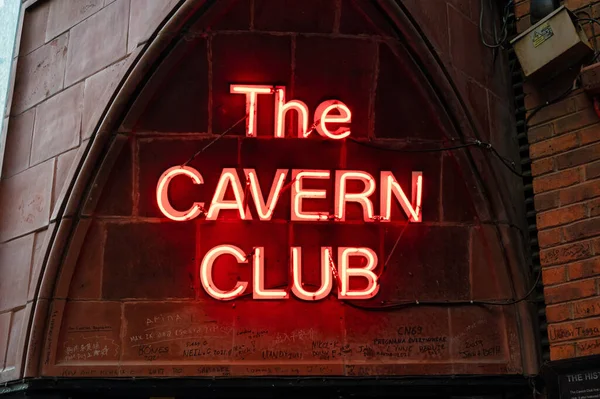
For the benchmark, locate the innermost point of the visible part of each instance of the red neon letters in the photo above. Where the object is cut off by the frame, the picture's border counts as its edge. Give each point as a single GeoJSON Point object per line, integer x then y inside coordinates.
{"type": "Point", "coordinates": [344, 271]}
{"type": "Point", "coordinates": [327, 113]}
{"type": "Point", "coordinates": [331, 120]}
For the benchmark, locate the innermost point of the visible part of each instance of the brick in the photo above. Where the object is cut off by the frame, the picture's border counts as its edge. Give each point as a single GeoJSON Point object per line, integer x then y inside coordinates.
{"type": "Point", "coordinates": [554, 275]}
{"type": "Point", "coordinates": [265, 58]}
{"type": "Point", "coordinates": [25, 201]}
{"type": "Point", "coordinates": [556, 313]}
{"type": "Point", "coordinates": [34, 23]}
{"type": "Point", "coordinates": [546, 201]}
{"type": "Point", "coordinates": [63, 165]}
{"type": "Point", "coordinates": [144, 17]}
{"type": "Point", "coordinates": [580, 192]}
{"type": "Point", "coordinates": [523, 23]}
{"type": "Point", "coordinates": [15, 266]}
{"type": "Point", "coordinates": [542, 166]}
{"type": "Point", "coordinates": [575, 4]}
{"type": "Point", "coordinates": [40, 74]}
{"type": "Point", "coordinates": [313, 16]}
{"type": "Point", "coordinates": [594, 207]}
{"type": "Point", "coordinates": [350, 83]}
{"type": "Point", "coordinates": [570, 291]}
{"type": "Point", "coordinates": [18, 143]}
{"type": "Point", "coordinates": [578, 157]}
{"type": "Point", "coordinates": [588, 347]}
{"type": "Point", "coordinates": [561, 216]}
{"type": "Point", "coordinates": [539, 133]}
{"type": "Point", "coordinates": [586, 308]}
{"type": "Point", "coordinates": [169, 258]}
{"type": "Point", "coordinates": [57, 125]}
{"type": "Point", "coordinates": [553, 111]}
{"type": "Point", "coordinates": [556, 180]}
{"type": "Point", "coordinates": [65, 14]}
{"type": "Point", "coordinates": [575, 121]}
{"type": "Point", "coordinates": [4, 331]}
{"type": "Point", "coordinates": [553, 146]}
{"type": "Point", "coordinates": [549, 238]}
{"type": "Point", "coordinates": [592, 170]}
{"type": "Point", "coordinates": [98, 89]}
{"type": "Point", "coordinates": [522, 8]}
{"type": "Point", "coordinates": [583, 269]}
{"type": "Point", "coordinates": [566, 253]}
{"type": "Point", "coordinates": [565, 351]}
{"type": "Point", "coordinates": [90, 48]}
{"type": "Point", "coordinates": [589, 134]}
{"type": "Point", "coordinates": [587, 328]}
{"type": "Point", "coordinates": [581, 229]}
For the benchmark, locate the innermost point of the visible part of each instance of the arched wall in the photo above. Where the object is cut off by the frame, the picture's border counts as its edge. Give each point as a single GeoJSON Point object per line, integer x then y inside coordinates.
{"type": "Point", "coordinates": [53, 249]}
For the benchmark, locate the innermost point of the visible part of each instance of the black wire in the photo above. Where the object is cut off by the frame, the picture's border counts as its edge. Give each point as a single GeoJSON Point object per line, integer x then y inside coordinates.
{"type": "Point", "coordinates": [408, 304]}
{"type": "Point", "coordinates": [550, 102]}
{"type": "Point", "coordinates": [377, 147]}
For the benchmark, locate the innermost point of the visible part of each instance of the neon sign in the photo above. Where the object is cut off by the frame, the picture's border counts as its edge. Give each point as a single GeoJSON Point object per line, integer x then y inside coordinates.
{"type": "Point", "coordinates": [331, 121]}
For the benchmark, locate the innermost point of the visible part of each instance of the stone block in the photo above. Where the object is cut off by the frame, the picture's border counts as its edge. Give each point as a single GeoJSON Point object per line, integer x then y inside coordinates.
{"type": "Point", "coordinates": [116, 198]}
{"type": "Point", "coordinates": [4, 331]}
{"type": "Point", "coordinates": [412, 335]}
{"type": "Point", "coordinates": [433, 20]}
{"type": "Point", "coordinates": [158, 155]}
{"type": "Point", "coordinates": [361, 18]}
{"type": "Point", "coordinates": [91, 49]}
{"type": "Point", "coordinates": [34, 27]}
{"type": "Point", "coordinates": [14, 353]}
{"type": "Point", "coordinates": [98, 89]}
{"type": "Point", "coordinates": [459, 203]}
{"type": "Point", "coordinates": [144, 17]}
{"type": "Point", "coordinates": [25, 201]}
{"type": "Point", "coordinates": [466, 50]}
{"type": "Point", "coordinates": [58, 125]}
{"type": "Point", "coordinates": [403, 104]}
{"type": "Point", "coordinates": [40, 246]}
{"type": "Point", "coordinates": [65, 14]}
{"type": "Point", "coordinates": [344, 72]}
{"type": "Point", "coordinates": [266, 60]}
{"type": "Point", "coordinates": [18, 143]}
{"type": "Point", "coordinates": [87, 277]}
{"type": "Point", "coordinates": [63, 164]}
{"type": "Point", "coordinates": [40, 74]}
{"type": "Point", "coordinates": [489, 272]}
{"type": "Point", "coordinates": [176, 331]}
{"type": "Point", "coordinates": [15, 267]}
{"type": "Point", "coordinates": [180, 96]}
{"type": "Point", "coordinates": [479, 334]}
{"type": "Point", "coordinates": [414, 269]}
{"type": "Point", "coordinates": [225, 15]}
{"type": "Point", "coordinates": [90, 333]}
{"type": "Point", "coordinates": [312, 16]}
{"type": "Point", "coordinates": [166, 268]}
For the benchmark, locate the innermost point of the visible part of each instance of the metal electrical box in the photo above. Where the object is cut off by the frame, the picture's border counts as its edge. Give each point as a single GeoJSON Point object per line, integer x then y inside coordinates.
{"type": "Point", "coordinates": [551, 46]}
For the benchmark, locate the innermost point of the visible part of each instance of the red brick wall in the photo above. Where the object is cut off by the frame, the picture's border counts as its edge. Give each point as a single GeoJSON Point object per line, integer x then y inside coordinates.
{"type": "Point", "coordinates": [565, 152]}
{"type": "Point", "coordinates": [56, 107]}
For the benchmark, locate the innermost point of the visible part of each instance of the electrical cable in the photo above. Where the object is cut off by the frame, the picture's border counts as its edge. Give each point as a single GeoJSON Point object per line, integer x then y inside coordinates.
{"type": "Point", "coordinates": [549, 102]}
{"type": "Point", "coordinates": [503, 30]}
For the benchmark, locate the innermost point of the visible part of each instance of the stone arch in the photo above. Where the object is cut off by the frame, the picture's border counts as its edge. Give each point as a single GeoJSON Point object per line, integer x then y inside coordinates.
{"type": "Point", "coordinates": [96, 163]}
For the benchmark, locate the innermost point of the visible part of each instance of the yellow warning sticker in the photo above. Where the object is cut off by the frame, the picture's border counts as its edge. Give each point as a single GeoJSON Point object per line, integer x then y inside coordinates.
{"type": "Point", "coordinates": [542, 33]}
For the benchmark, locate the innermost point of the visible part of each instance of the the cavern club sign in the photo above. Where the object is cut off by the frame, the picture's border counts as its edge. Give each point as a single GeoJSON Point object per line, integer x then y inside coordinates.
{"type": "Point", "coordinates": [331, 120]}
